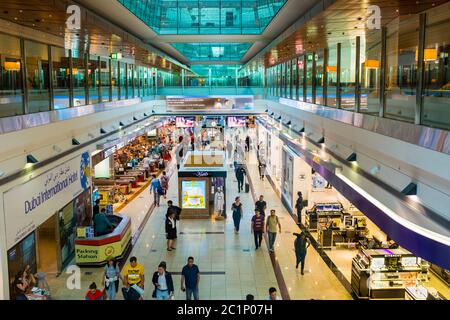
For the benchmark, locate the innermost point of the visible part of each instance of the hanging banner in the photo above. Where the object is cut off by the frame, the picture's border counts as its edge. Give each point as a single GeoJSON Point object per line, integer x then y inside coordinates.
{"type": "Point", "coordinates": [30, 204]}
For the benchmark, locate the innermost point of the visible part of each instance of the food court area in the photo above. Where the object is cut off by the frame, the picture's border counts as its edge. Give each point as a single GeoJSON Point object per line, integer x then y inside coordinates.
{"type": "Point", "coordinates": [375, 266]}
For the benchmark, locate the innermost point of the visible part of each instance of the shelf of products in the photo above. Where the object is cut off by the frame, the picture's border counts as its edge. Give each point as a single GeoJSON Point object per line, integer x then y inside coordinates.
{"type": "Point", "coordinates": [390, 271]}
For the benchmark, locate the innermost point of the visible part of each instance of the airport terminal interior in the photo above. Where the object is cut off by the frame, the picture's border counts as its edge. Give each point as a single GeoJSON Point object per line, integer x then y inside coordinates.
{"type": "Point", "coordinates": [224, 150]}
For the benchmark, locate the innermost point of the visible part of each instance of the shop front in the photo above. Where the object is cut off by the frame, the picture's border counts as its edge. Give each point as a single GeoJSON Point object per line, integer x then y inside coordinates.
{"type": "Point", "coordinates": [202, 185]}
{"type": "Point", "coordinates": [123, 167]}
{"type": "Point", "coordinates": [350, 230]}
{"type": "Point", "coordinates": [41, 218]}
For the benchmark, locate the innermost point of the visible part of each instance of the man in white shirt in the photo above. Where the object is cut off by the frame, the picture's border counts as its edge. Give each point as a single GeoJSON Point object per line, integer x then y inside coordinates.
{"type": "Point", "coordinates": [273, 294]}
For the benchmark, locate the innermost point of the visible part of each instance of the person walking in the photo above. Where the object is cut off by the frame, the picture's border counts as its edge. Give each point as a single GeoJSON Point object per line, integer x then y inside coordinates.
{"type": "Point", "coordinates": [171, 230]}
{"type": "Point", "coordinates": [240, 173]}
{"type": "Point", "coordinates": [93, 293]}
{"type": "Point", "coordinates": [236, 208]}
{"type": "Point", "coordinates": [230, 149]}
{"type": "Point", "coordinates": [271, 227]}
{"type": "Point", "coordinates": [262, 168]}
{"type": "Point", "coordinates": [164, 179]}
{"type": "Point", "coordinates": [163, 282]}
{"type": "Point", "coordinates": [299, 207]}
{"type": "Point", "coordinates": [174, 208]}
{"type": "Point", "coordinates": [155, 187]}
{"type": "Point", "coordinates": [133, 280]}
{"type": "Point", "coordinates": [301, 245]}
{"type": "Point", "coordinates": [190, 278]}
{"type": "Point", "coordinates": [273, 294]}
{"type": "Point", "coordinates": [247, 143]}
{"type": "Point", "coordinates": [261, 205]}
{"type": "Point", "coordinates": [111, 278]}
{"type": "Point", "coordinates": [257, 228]}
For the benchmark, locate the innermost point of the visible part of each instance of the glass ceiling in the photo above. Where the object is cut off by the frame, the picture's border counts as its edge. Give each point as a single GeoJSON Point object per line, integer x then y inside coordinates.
{"type": "Point", "coordinates": [217, 70]}
{"type": "Point", "coordinates": [205, 16]}
{"type": "Point", "coordinates": [212, 51]}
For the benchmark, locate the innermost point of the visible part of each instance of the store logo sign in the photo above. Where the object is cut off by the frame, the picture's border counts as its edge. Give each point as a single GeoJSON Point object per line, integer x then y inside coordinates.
{"type": "Point", "coordinates": [374, 20]}
{"type": "Point", "coordinates": [73, 22]}
{"type": "Point", "coordinates": [201, 174]}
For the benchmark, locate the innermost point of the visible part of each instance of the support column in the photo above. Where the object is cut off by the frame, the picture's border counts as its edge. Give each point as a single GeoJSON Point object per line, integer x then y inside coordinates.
{"type": "Point", "coordinates": [24, 76]}
{"type": "Point", "coordinates": [357, 78]}
{"type": "Point", "coordinates": [50, 83]}
{"type": "Point", "coordinates": [71, 94]}
{"type": "Point", "coordinates": [338, 76]}
{"type": "Point", "coordinates": [313, 79]}
{"type": "Point", "coordinates": [382, 108]}
{"type": "Point", "coordinates": [304, 73]}
{"type": "Point", "coordinates": [420, 70]}
{"type": "Point", "coordinates": [325, 76]}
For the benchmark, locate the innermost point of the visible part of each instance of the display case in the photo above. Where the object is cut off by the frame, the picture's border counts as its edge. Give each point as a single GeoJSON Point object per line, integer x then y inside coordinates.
{"type": "Point", "coordinates": [322, 213]}
{"type": "Point", "coordinates": [384, 273]}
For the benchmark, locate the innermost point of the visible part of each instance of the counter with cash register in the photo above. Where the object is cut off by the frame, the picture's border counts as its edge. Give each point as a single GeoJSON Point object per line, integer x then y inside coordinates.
{"type": "Point", "coordinates": [94, 251]}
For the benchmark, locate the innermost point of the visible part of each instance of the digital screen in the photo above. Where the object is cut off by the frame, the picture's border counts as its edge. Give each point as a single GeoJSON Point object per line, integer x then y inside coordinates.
{"type": "Point", "coordinates": [209, 102]}
{"type": "Point", "coordinates": [193, 194]}
{"type": "Point", "coordinates": [185, 122]}
{"type": "Point", "coordinates": [236, 122]}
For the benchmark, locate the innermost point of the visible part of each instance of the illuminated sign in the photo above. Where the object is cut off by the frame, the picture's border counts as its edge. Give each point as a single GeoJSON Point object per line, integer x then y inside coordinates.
{"type": "Point", "coordinates": [116, 56]}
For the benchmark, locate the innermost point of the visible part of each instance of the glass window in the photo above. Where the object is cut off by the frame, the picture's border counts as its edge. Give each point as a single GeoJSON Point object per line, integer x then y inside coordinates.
{"type": "Point", "coordinates": [38, 79]}
{"type": "Point", "coordinates": [130, 81]}
{"type": "Point", "coordinates": [230, 17]}
{"type": "Point", "coordinates": [188, 17]}
{"type": "Point", "coordinates": [401, 67]}
{"type": "Point", "coordinates": [348, 66]}
{"type": "Point", "coordinates": [123, 76]}
{"type": "Point", "coordinates": [93, 79]}
{"type": "Point", "coordinates": [301, 79]}
{"type": "Point", "coordinates": [60, 78]}
{"type": "Point", "coordinates": [209, 17]}
{"type": "Point", "coordinates": [115, 79]}
{"type": "Point", "coordinates": [137, 91]}
{"type": "Point", "coordinates": [436, 104]}
{"type": "Point", "coordinates": [331, 77]}
{"type": "Point", "coordinates": [250, 18]}
{"type": "Point", "coordinates": [309, 77]}
{"type": "Point", "coordinates": [11, 87]}
{"type": "Point", "coordinates": [319, 77]}
{"type": "Point", "coordinates": [79, 81]}
{"type": "Point", "coordinates": [105, 80]}
{"type": "Point", "coordinates": [370, 72]}
{"type": "Point", "coordinates": [288, 79]}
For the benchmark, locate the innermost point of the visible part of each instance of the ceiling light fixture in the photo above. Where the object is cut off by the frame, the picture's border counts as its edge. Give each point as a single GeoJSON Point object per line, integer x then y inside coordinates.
{"type": "Point", "coordinates": [352, 157]}
{"type": "Point", "coordinates": [410, 189]}
{"type": "Point", "coordinates": [31, 159]}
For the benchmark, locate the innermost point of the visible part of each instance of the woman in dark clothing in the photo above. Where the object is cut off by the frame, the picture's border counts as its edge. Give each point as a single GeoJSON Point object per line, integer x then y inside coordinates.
{"type": "Point", "coordinates": [301, 245]}
{"type": "Point", "coordinates": [299, 207]}
{"type": "Point", "coordinates": [236, 207]}
{"type": "Point", "coordinates": [162, 280]}
{"type": "Point", "coordinates": [171, 230]}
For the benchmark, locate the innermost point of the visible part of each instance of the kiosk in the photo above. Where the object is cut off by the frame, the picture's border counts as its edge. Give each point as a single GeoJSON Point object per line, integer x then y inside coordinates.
{"type": "Point", "coordinates": [201, 176]}
{"type": "Point", "coordinates": [94, 251]}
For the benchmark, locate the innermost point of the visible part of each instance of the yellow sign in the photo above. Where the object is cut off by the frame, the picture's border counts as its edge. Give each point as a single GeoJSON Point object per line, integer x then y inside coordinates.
{"type": "Point", "coordinates": [98, 254]}
{"type": "Point", "coordinates": [12, 66]}
{"type": "Point", "coordinates": [316, 159]}
{"type": "Point", "coordinates": [81, 232]}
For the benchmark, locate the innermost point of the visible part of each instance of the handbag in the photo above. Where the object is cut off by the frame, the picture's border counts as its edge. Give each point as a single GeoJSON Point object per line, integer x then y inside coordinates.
{"type": "Point", "coordinates": [154, 293]}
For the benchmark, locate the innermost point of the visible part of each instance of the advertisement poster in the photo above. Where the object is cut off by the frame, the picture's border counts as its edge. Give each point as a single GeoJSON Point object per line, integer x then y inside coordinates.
{"type": "Point", "coordinates": [194, 194]}
{"type": "Point", "coordinates": [30, 204]}
{"type": "Point", "coordinates": [236, 122]}
{"type": "Point", "coordinates": [185, 122]}
{"type": "Point", "coordinates": [177, 103]}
